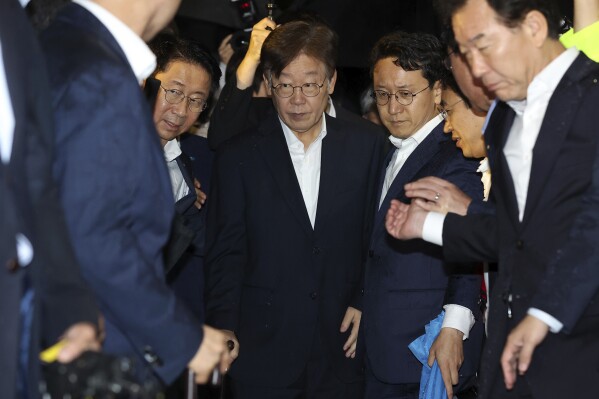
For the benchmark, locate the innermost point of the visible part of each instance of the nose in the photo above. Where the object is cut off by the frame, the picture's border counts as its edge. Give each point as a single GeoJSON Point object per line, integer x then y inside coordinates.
{"type": "Point", "coordinates": [447, 126]}
{"type": "Point", "coordinates": [478, 65]}
{"type": "Point", "coordinates": [394, 106]}
{"type": "Point", "coordinates": [181, 109]}
{"type": "Point", "coordinates": [297, 97]}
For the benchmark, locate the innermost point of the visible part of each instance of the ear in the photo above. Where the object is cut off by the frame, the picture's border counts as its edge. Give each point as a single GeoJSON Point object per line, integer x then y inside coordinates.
{"type": "Point", "coordinates": [437, 90]}
{"type": "Point", "coordinates": [267, 85]}
{"type": "Point", "coordinates": [535, 25]}
{"type": "Point", "coordinates": [332, 82]}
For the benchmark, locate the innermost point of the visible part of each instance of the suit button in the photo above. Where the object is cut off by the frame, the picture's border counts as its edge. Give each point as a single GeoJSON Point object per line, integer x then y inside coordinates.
{"type": "Point", "coordinates": [151, 357]}
{"type": "Point", "coordinates": [519, 244]}
{"type": "Point", "coordinates": [12, 265]}
{"type": "Point", "coordinates": [370, 253]}
{"type": "Point", "coordinates": [316, 251]}
{"type": "Point", "coordinates": [313, 295]}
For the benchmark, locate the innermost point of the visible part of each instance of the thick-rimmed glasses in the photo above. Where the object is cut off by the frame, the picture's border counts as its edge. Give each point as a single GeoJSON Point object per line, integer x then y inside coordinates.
{"type": "Point", "coordinates": [174, 96]}
{"type": "Point", "coordinates": [404, 97]}
{"type": "Point", "coordinates": [285, 90]}
{"type": "Point", "coordinates": [446, 110]}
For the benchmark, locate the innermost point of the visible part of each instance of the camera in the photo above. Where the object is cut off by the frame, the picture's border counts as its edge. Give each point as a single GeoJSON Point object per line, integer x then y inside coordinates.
{"type": "Point", "coordinates": [99, 376]}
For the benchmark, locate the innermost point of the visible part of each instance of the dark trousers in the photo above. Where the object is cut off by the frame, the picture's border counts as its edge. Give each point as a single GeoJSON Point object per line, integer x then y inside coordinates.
{"type": "Point", "coordinates": [317, 381]}
{"type": "Point", "coordinates": [377, 389]}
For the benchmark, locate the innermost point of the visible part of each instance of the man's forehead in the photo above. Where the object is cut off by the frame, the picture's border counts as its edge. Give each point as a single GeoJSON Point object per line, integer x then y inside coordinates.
{"type": "Point", "coordinates": [471, 23]}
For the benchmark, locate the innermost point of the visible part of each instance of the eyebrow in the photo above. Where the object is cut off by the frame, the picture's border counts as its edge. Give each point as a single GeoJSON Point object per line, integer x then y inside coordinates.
{"type": "Point", "coordinates": [181, 85]}
{"type": "Point", "coordinates": [476, 38]}
{"type": "Point", "coordinates": [309, 73]}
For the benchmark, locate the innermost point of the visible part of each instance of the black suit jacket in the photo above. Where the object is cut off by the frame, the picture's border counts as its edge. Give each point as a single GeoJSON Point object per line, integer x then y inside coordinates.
{"type": "Point", "coordinates": [407, 283]}
{"type": "Point", "coordinates": [272, 278]}
{"type": "Point", "coordinates": [29, 205]}
{"type": "Point", "coordinates": [548, 261]}
{"type": "Point", "coordinates": [107, 147]}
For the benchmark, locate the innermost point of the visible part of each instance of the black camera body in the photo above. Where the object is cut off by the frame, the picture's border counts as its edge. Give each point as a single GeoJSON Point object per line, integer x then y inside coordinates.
{"type": "Point", "coordinates": [99, 376]}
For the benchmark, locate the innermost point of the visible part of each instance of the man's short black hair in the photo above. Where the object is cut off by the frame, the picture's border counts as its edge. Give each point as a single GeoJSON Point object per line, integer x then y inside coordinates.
{"type": "Point", "coordinates": [511, 12]}
{"type": "Point", "coordinates": [412, 52]}
{"type": "Point", "coordinates": [291, 39]}
{"type": "Point", "coordinates": [168, 48]}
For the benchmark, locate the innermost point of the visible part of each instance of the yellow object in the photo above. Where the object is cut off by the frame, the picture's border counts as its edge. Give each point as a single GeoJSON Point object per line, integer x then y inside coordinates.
{"type": "Point", "coordinates": [49, 355]}
{"type": "Point", "coordinates": [585, 40]}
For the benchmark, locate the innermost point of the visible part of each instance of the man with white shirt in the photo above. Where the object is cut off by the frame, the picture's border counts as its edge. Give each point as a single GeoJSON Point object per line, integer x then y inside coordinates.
{"type": "Point", "coordinates": [542, 147]}
{"type": "Point", "coordinates": [409, 284]}
{"type": "Point", "coordinates": [42, 296]}
{"type": "Point", "coordinates": [184, 81]}
{"type": "Point", "coordinates": [118, 219]}
{"type": "Point", "coordinates": [288, 228]}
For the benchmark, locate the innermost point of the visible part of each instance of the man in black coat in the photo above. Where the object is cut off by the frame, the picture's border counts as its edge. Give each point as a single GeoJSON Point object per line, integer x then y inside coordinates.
{"type": "Point", "coordinates": [42, 296]}
{"type": "Point", "coordinates": [542, 147]}
{"type": "Point", "coordinates": [288, 228]}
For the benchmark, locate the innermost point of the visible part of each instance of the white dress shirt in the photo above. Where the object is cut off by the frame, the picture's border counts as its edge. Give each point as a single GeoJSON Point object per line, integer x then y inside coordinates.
{"type": "Point", "coordinates": [405, 148]}
{"type": "Point", "coordinates": [518, 150]}
{"type": "Point", "coordinates": [306, 162]}
{"type": "Point", "coordinates": [172, 150]}
{"type": "Point", "coordinates": [7, 116]}
{"type": "Point", "coordinates": [137, 52]}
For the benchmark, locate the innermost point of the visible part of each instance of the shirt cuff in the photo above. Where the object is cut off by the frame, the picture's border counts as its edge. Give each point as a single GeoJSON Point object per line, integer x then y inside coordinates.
{"type": "Point", "coordinates": [432, 230]}
{"type": "Point", "coordinates": [458, 317]}
{"type": "Point", "coordinates": [554, 324]}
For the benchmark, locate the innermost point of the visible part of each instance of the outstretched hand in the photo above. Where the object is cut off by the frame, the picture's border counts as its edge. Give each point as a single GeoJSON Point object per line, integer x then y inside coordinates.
{"type": "Point", "coordinates": [404, 221]}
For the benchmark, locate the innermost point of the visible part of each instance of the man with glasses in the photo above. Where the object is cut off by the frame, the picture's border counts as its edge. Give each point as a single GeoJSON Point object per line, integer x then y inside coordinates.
{"type": "Point", "coordinates": [288, 230]}
{"type": "Point", "coordinates": [408, 284]}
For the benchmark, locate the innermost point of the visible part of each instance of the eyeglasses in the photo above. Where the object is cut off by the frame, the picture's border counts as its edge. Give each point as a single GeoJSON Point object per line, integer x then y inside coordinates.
{"type": "Point", "coordinates": [285, 90]}
{"type": "Point", "coordinates": [174, 96]}
{"type": "Point", "coordinates": [445, 110]}
{"type": "Point", "coordinates": [404, 97]}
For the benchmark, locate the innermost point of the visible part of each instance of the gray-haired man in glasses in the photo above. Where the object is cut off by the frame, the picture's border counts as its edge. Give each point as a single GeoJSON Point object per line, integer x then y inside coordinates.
{"type": "Point", "coordinates": [408, 283]}
{"type": "Point", "coordinates": [288, 229]}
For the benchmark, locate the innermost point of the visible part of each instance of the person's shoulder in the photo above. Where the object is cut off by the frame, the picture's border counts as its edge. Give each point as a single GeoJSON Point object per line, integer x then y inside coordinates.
{"type": "Point", "coordinates": [355, 127]}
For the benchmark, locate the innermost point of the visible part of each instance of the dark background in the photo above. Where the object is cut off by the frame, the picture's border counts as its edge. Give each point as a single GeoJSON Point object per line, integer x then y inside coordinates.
{"type": "Point", "coordinates": [359, 23]}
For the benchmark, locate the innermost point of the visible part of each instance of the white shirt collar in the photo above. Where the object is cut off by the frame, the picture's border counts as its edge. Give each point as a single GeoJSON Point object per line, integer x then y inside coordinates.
{"type": "Point", "coordinates": [420, 134]}
{"type": "Point", "coordinates": [331, 108]}
{"type": "Point", "coordinates": [139, 55]}
{"type": "Point", "coordinates": [172, 150]}
{"type": "Point", "coordinates": [292, 140]}
{"type": "Point", "coordinates": [546, 81]}
{"type": "Point", "coordinates": [483, 166]}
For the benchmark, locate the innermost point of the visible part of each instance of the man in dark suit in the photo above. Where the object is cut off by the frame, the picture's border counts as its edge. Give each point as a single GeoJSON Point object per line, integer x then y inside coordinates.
{"type": "Point", "coordinates": [409, 284]}
{"type": "Point", "coordinates": [106, 148]}
{"type": "Point", "coordinates": [42, 296]}
{"type": "Point", "coordinates": [186, 77]}
{"type": "Point", "coordinates": [288, 228]}
{"type": "Point", "coordinates": [542, 147]}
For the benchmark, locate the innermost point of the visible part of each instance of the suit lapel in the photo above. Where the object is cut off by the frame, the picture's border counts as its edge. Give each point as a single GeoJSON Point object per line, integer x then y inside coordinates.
{"type": "Point", "coordinates": [184, 164]}
{"type": "Point", "coordinates": [554, 129]}
{"type": "Point", "coordinates": [275, 153]}
{"type": "Point", "coordinates": [496, 136]}
{"type": "Point", "coordinates": [419, 158]}
{"type": "Point", "coordinates": [331, 170]}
